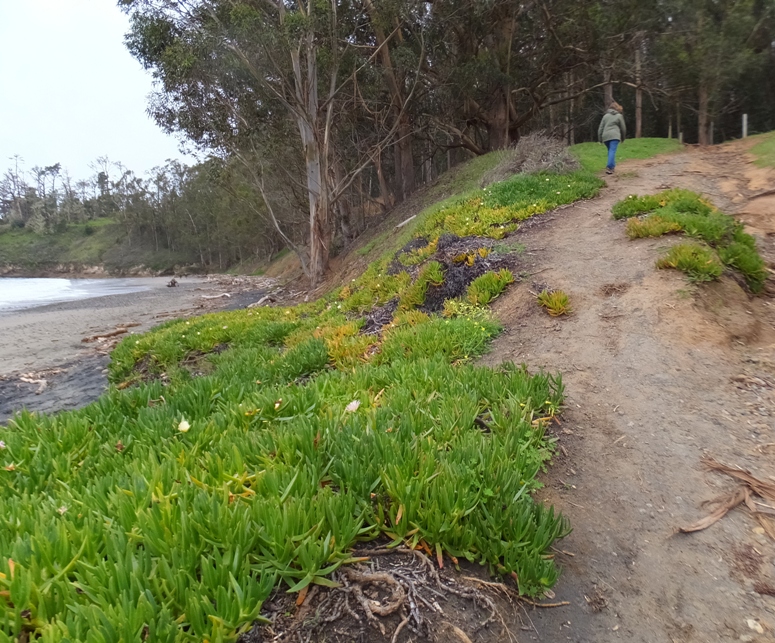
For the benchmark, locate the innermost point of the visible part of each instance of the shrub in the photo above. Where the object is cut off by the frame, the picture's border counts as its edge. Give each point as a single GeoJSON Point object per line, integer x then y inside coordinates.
{"type": "Point", "coordinates": [698, 262]}
{"type": "Point", "coordinates": [556, 302]}
{"type": "Point", "coordinates": [482, 290]}
{"type": "Point", "coordinates": [535, 152]}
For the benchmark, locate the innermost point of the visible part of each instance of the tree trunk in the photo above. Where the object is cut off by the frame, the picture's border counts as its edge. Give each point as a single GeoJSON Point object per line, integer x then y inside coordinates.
{"type": "Point", "coordinates": [384, 190]}
{"type": "Point", "coordinates": [638, 88]}
{"type": "Point", "coordinates": [608, 89]}
{"type": "Point", "coordinates": [498, 124]}
{"type": "Point", "coordinates": [702, 115]}
{"type": "Point", "coordinates": [404, 162]}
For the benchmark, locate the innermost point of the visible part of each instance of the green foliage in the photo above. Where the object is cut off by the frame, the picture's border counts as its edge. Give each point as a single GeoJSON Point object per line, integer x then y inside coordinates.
{"type": "Point", "coordinates": [556, 302]}
{"type": "Point", "coordinates": [685, 211]}
{"type": "Point", "coordinates": [484, 289]}
{"type": "Point", "coordinates": [700, 263]}
{"type": "Point", "coordinates": [653, 226]}
{"type": "Point", "coordinates": [764, 151]}
{"type": "Point", "coordinates": [376, 241]}
{"type": "Point", "coordinates": [180, 508]}
{"type": "Point", "coordinates": [634, 205]}
{"type": "Point", "coordinates": [432, 274]}
{"type": "Point", "coordinates": [593, 156]}
{"type": "Point", "coordinates": [496, 210]}
{"type": "Point", "coordinates": [418, 255]}
{"type": "Point", "coordinates": [745, 259]}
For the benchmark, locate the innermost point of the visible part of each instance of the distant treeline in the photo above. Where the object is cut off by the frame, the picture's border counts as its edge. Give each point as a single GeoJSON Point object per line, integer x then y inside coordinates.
{"type": "Point", "coordinates": [204, 215]}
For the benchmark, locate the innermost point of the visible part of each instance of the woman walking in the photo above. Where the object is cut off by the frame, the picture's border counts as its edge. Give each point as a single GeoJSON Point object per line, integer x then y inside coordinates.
{"type": "Point", "coordinates": [611, 132]}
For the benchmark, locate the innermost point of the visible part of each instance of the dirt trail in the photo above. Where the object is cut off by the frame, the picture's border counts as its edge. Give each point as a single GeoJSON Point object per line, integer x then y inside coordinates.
{"type": "Point", "coordinates": [650, 366]}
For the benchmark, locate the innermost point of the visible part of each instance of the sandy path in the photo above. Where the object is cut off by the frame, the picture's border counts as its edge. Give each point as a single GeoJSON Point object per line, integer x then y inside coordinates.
{"type": "Point", "coordinates": [648, 362]}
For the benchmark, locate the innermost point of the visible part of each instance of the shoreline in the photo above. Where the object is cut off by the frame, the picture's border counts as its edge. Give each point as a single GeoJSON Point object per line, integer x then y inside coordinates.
{"type": "Point", "coordinates": [45, 343]}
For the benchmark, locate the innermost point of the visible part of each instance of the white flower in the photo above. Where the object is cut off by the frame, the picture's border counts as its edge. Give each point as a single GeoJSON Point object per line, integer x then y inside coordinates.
{"type": "Point", "coordinates": [184, 426]}
{"type": "Point", "coordinates": [225, 327]}
{"type": "Point", "coordinates": [352, 406]}
{"type": "Point", "coordinates": [62, 510]}
{"type": "Point", "coordinates": [2, 444]}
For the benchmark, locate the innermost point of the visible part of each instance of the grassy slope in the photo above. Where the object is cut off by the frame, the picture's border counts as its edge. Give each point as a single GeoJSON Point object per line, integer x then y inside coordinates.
{"type": "Point", "coordinates": [100, 242]}
{"type": "Point", "coordinates": [764, 150]}
{"type": "Point", "coordinates": [593, 156]}
{"type": "Point", "coordinates": [181, 505]}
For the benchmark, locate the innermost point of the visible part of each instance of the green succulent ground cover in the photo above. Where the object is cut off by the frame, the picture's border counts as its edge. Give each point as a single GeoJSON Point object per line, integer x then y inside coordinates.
{"type": "Point", "coordinates": [497, 210]}
{"type": "Point", "coordinates": [244, 450]}
{"type": "Point", "coordinates": [684, 211]}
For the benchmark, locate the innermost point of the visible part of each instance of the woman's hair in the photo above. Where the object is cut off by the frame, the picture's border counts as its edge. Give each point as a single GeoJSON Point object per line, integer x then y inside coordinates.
{"type": "Point", "coordinates": [616, 106]}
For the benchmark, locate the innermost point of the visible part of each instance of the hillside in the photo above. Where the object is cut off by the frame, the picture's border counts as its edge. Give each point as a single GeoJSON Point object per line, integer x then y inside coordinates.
{"type": "Point", "coordinates": [360, 447]}
{"type": "Point", "coordinates": [99, 247]}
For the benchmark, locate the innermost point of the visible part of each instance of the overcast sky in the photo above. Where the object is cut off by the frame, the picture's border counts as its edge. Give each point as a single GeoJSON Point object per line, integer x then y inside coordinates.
{"type": "Point", "coordinates": [70, 91]}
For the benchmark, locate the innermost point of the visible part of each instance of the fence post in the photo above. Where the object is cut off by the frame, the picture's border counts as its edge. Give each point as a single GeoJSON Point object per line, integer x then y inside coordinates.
{"type": "Point", "coordinates": [745, 125]}
{"type": "Point", "coordinates": [711, 132]}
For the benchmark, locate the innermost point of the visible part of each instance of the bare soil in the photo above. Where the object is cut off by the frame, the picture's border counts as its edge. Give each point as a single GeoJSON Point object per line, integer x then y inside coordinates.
{"type": "Point", "coordinates": [658, 372]}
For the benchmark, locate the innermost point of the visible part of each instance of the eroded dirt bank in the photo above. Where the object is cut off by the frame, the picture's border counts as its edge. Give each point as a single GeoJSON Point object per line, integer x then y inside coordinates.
{"type": "Point", "coordinates": [658, 373]}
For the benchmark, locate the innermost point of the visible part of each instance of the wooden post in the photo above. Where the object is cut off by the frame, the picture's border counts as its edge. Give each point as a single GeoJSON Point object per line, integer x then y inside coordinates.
{"type": "Point", "coordinates": [745, 125]}
{"type": "Point", "coordinates": [712, 126]}
{"type": "Point", "coordinates": [670, 126]}
{"type": "Point", "coordinates": [681, 137]}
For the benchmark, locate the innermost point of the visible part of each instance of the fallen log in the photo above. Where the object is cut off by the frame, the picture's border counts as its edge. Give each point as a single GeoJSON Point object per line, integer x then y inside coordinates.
{"type": "Point", "coordinates": [113, 333]}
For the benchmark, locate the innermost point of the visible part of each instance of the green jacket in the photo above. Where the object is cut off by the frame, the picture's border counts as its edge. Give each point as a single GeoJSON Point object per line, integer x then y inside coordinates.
{"type": "Point", "coordinates": [612, 127]}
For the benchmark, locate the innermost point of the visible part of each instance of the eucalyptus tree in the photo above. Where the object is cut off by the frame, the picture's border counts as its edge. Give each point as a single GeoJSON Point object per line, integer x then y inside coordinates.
{"type": "Point", "coordinates": [233, 73]}
{"type": "Point", "coordinates": [711, 47]}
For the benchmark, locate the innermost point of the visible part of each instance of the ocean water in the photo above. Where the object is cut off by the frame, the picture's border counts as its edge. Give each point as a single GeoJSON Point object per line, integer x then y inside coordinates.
{"type": "Point", "coordinates": [21, 293]}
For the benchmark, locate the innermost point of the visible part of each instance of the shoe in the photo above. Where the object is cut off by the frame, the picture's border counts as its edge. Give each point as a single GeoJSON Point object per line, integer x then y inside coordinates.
{"type": "Point", "coordinates": [609, 171]}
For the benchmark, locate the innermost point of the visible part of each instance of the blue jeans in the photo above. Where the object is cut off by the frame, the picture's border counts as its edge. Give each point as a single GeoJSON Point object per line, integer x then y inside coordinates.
{"type": "Point", "coordinates": [611, 145]}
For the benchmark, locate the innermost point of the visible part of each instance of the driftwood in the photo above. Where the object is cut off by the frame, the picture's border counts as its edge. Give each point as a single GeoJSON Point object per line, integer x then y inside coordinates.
{"type": "Point", "coordinates": [113, 333]}
{"type": "Point", "coordinates": [223, 294]}
{"type": "Point", "coordinates": [265, 299]}
{"type": "Point", "coordinates": [403, 223]}
{"type": "Point", "coordinates": [743, 494]}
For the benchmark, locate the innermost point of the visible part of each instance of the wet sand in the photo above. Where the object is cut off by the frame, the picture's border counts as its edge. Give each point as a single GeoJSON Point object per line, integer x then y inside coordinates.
{"type": "Point", "coordinates": [48, 338]}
